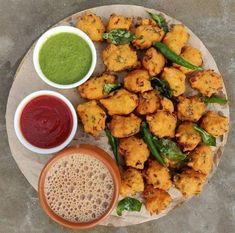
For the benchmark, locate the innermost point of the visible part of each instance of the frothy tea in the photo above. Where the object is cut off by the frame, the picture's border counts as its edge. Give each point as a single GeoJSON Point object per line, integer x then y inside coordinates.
{"type": "Point", "coordinates": [79, 188]}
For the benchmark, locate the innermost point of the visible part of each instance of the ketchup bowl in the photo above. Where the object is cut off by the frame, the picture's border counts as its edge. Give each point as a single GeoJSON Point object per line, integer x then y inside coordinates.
{"type": "Point", "coordinates": [45, 122]}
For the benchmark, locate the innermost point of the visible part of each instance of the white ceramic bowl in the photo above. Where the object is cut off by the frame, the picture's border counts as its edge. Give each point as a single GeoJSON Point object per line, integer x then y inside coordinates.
{"type": "Point", "coordinates": [17, 127]}
{"type": "Point", "coordinates": [52, 32]}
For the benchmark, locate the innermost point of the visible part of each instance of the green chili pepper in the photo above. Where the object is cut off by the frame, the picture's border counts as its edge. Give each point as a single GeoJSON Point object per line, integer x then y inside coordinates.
{"type": "Point", "coordinates": [159, 20]}
{"type": "Point", "coordinates": [120, 36]}
{"type": "Point", "coordinates": [148, 138]}
{"type": "Point", "coordinates": [162, 86]}
{"type": "Point", "coordinates": [172, 56]}
{"type": "Point", "coordinates": [207, 138]}
{"type": "Point", "coordinates": [109, 87]}
{"type": "Point", "coordinates": [214, 99]}
{"type": "Point", "coordinates": [129, 204]}
{"type": "Point", "coordinates": [113, 143]}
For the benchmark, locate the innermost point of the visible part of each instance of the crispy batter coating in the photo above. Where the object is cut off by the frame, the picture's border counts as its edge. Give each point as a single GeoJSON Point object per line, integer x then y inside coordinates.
{"type": "Point", "coordinates": [177, 38]}
{"type": "Point", "coordinates": [201, 159]}
{"type": "Point", "coordinates": [190, 108]}
{"type": "Point", "coordinates": [149, 32]}
{"type": "Point", "coordinates": [176, 80]}
{"type": "Point", "coordinates": [132, 182]}
{"type": "Point", "coordinates": [149, 102]}
{"type": "Point", "coordinates": [153, 61]}
{"type": "Point", "coordinates": [124, 126]}
{"type": "Point", "coordinates": [119, 57]}
{"type": "Point", "coordinates": [190, 182]}
{"type": "Point", "coordinates": [191, 55]}
{"type": "Point", "coordinates": [162, 123]}
{"type": "Point", "coordinates": [206, 82]}
{"type": "Point", "coordinates": [137, 81]}
{"type": "Point", "coordinates": [92, 116]}
{"type": "Point", "coordinates": [157, 175]}
{"type": "Point", "coordinates": [215, 124]}
{"type": "Point", "coordinates": [122, 102]}
{"type": "Point", "coordinates": [92, 25]}
{"type": "Point", "coordinates": [134, 150]}
{"type": "Point", "coordinates": [93, 87]}
{"type": "Point", "coordinates": [156, 200]}
{"type": "Point", "coordinates": [167, 104]}
{"type": "Point", "coordinates": [119, 22]}
{"type": "Point", "coordinates": [187, 136]}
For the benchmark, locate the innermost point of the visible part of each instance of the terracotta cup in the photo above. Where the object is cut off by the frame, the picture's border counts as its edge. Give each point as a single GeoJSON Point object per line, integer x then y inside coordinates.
{"type": "Point", "coordinates": [89, 150]}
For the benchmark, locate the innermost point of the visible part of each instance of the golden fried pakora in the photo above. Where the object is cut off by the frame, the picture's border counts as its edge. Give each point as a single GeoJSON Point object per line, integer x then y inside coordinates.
{"type": "Point", "coordinates": [132, 182]}
{"type": "Point", "coordinates": [137, 81]}
{"type": "Point", "coordinates": [206, 82]}
{"type": "Point", "coordinates": [189, 182]}
{"type": "Point", "coordinates": [134, 150]}
{"type": "Point", "coordinates": [92, 25]}
{"type": "Point", "coordinates": [187, 136]}
{"type": "Point", "coordinates": [215, 124]}
{"type": "Point", "coordinates": [167, 104]}
{"type": "Point", "coordinates": [147, 33]}
{"type": "Point", "coordinates": [149, 102]}
{"type": "Point", "coordinates": [122, 102]}
{"type": "Point", "coordinates": [190, 108]}
{"type": "Point", "coordinates": [156, 200]}
{"type": "Point", "coordinates": [93, 87]}
{"type": "Point", "coordinates": [191, 55]}
{"type": "Point", "coordinates": [153, 61]}
{"type": "Point", "coordinates": [119, 57]}
{"type": "Point", "coordinates": [124, 126]}
{"type": "Point", "coordinates": [177, 38]}
{"type": "Point", "coordinates": [92, 116]}
{"type": "Point", "coordinates": [119, 22]}
{"type": "Point", "coordinates": [157, 175]}
{"type": "Point", "coordinates": [176, 80]}
{"type": "Point", "coordinates": [201, 159]}
{"type": "Point", "coordinates": [162, 123]}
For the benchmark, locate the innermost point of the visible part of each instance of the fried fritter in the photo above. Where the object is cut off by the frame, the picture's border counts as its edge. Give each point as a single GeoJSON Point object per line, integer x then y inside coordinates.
{"type": "Point", "coordinates": [93, 87]}
{"type": "Point", "coordinates": [119, 57]}
{"type": "Point", "coordinates": [176, 80]}
{"type": "Point", "coordinates": [148, 32]}
{"type": "Point", "coordinates": [206, 82]}
{"type": "Point", "coordinates": [122, 102]}
{"type": "Point", "coordinates": [215, 124]}
{"type": "Point", "coordinates": [92, 25]}
{"type": "Point", "coordinates": [177, 38]}
{"type": "Point", "coordinates": [132, 182]}
{"type": "Point", "coordinates": [162, 123]}
{"type": "Point", "coordinates": [191, 55]}
{"type": "Point", "coordinates": [201, 159]}
{"type": "Point", "coordinates": [156, 200]}
{"type": "Point", "coordinates": [157, 175]}
{"type": "Point", "coordinates": [189, 182]}
{"type": "Point", "coordinates": [190, 108]}
{"type": "Point", "coordinates": [137, 81]}
{"type": "Point", "coordinates": [92, 116]}
{"type": "Point", "coordinates": [124, 126]}
{"type": "Point", "coordinates": [167, 104]}
{"type": "Point", "coordinates": [187, 136]}
{"type": "Point", "coordinates": [134, 150]}
{"type": "Point", "coordinates": [153, 61]}
{"type": "Point", "coordinates": [149, 102]}
{"type": "Point", "coordinates": [119, 22]}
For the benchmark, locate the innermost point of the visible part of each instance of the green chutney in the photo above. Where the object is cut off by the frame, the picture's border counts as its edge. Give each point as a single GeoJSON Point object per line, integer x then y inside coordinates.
{"type": "Point", "coordinates": [65, 58]}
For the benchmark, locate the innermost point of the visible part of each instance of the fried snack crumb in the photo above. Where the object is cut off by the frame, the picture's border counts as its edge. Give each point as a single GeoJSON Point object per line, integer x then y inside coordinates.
{"type": "Point", "coordinates": [119, 22]}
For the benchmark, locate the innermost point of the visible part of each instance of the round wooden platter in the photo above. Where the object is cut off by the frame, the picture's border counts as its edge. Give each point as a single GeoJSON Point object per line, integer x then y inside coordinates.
{"type": "Point", "coordinates": [26, 81]}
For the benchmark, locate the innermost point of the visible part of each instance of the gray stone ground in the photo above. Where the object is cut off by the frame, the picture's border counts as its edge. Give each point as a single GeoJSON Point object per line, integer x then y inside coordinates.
{"type": "Point", "coordinates": [22, 21]}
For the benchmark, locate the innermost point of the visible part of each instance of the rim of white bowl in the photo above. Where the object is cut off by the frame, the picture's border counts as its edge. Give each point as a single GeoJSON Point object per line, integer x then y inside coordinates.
{"type": "Point", "coordinates": [54, 31]}
{"type": "Point", "coordinates": [17, 126]}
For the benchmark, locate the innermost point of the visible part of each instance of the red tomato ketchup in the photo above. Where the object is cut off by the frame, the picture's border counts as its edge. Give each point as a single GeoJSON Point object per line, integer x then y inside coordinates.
{"type": "Point", "coordinates": [46, 121]}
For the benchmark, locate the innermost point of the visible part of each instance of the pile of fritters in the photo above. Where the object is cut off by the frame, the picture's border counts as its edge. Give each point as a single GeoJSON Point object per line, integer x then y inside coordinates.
{"type": "Point", "coordinates": [137, 100]}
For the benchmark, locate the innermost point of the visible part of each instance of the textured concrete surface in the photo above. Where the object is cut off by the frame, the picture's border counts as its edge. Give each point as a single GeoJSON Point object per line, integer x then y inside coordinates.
{"type": "Point", "coordinates": [22, 21]}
